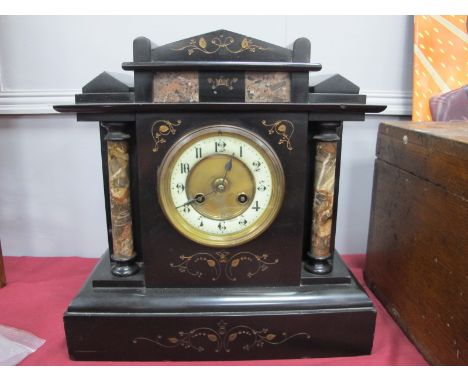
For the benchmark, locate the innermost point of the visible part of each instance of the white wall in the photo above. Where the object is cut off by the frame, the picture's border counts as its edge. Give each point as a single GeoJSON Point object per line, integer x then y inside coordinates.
{"type": "Point", "coordinates": [51, 195]}
{"type": "Point", "coordinates": [51, 201]}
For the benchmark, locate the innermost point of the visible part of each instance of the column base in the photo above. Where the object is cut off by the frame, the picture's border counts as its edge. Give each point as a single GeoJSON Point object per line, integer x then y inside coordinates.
{"type": "Point", "coordinates": [124, 268]}
{"type": "Point", "coordinates": [318, 266]}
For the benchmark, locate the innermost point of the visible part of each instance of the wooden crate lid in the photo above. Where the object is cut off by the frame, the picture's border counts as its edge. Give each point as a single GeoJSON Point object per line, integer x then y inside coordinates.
{"type": "Point", "coordinates": [434, 151]}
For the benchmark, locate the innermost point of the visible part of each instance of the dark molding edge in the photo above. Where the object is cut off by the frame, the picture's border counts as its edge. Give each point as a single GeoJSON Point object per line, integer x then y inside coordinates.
{"type": "Point", "coordinates": [221, 106]}
{"type": "Point", "coordinates": [221, 65]}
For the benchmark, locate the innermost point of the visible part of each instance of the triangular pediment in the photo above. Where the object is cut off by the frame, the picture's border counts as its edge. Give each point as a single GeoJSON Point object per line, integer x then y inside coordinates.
{"type": "Point", "coordinates": [221, 45]}
{"type": "Point", "coordinates": [108, 82]}
{"type": "Point", "coordinates": [332, 83]}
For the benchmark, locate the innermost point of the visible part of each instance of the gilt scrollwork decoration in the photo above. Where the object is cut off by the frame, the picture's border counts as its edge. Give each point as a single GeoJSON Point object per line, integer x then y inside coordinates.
{"type": "Point", "coordinates": [161, 129]}
{"type": "Point", "coordinates": [219, 43]}
{"type": "Point", "coordinates": [221, 338]}
{"type": "Point", "coordinates": [283, 128]}
{"type": "Point", "coordinates": [228, 83]}
{"type": "Point", "coordinates": [203, 264]}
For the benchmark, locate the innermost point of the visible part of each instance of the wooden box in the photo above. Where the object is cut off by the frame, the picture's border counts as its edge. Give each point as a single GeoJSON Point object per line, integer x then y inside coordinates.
{"type": "Point", "coordinates": [417, 255]}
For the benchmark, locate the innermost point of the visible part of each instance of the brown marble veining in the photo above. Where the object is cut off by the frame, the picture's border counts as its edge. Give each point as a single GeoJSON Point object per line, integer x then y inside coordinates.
{"type": "Point", "coordinates": [324, 185]}
{"type": "Point", "coordinates": [120, 201]}
{"type": "Point", "coordinates": [267, 87]}
{"type": "Point", "coordinates": [173, 87]}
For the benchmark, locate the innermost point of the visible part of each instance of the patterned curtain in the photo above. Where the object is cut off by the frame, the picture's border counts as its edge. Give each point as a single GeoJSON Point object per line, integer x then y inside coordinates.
{"type": "Point", "coordinates": [440, 64]}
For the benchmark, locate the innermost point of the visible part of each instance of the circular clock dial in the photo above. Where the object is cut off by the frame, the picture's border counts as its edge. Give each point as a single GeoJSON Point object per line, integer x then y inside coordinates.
{"type": "Point", "coordinates": [221, 186]}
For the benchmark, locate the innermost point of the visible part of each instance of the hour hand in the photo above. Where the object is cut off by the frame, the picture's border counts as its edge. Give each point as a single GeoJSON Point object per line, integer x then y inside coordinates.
{"type": "Point", "coordinates": [227, 167]}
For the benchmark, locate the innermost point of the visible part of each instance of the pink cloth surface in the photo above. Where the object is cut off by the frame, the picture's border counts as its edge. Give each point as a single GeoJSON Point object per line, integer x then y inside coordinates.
{"type": "Point", "coordinates": [40, 289]}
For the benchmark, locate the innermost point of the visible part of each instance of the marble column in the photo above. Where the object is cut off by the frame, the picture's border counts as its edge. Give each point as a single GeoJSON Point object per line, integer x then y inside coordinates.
{"type": "Point", "coordinates": [322, 232]}
{"type": "Point", "coordinates": [118, 165]}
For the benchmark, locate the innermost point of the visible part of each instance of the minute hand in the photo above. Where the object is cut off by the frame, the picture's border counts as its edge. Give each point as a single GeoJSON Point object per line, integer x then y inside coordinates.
{"type": "Point", "coordinates": [227, 168]}
{"type": "Point", "coordinates": [190, 201]}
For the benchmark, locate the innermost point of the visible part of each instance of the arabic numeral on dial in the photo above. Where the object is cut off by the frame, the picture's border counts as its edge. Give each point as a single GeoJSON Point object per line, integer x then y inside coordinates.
{"type": "Point", "coordinates": [220, 146]}
{"type": "Point", "coordinates": [243, 222]}
{"type": "Point", "coordinates": [184, 168]}
{"type": "Point", "coordinates": [222, 226]}
{"type": "Point", "coordinates": [256, 207]}
{"type": "Point", "coordinates": [180, 188]}
{"type": "Point", "coordinates": [261, 186]}
{"type": "Point", "coordinates": [256, 165]}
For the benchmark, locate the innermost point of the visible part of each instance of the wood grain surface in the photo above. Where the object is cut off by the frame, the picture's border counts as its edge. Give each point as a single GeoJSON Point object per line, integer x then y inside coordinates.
{"type": "Point", "coordinates": [417, 260]}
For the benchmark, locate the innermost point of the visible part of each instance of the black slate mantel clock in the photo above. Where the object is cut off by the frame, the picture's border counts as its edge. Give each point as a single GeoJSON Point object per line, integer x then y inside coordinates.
{"type": "Point", "coordinates": [221, 166]}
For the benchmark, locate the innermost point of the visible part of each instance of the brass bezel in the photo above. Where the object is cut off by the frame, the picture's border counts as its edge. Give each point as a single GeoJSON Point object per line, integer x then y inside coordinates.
{"type": "Point", "coordinates": [224, 240]}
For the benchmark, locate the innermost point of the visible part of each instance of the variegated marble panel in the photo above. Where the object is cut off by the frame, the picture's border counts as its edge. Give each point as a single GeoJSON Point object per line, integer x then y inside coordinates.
{"type": "Point", "coordinates": [324, 186]}
{"type": "Point", "coordinates": [120, 201]}
{"type": "Point", "coordinates": [267, 87]}
{"type": "Point", "coordinates": [173, 87]}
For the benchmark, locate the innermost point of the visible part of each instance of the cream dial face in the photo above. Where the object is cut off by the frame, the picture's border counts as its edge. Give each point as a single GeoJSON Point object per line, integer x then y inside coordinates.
{"type": "Point", "coordinates": [243, 155]}
{"type": "Point", "coordinates": [221, 186]}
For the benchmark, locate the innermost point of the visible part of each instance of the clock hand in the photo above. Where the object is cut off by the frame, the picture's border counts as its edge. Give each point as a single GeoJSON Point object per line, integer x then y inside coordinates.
{"type": "Point", "coordinates": [227, 167]}
{"type": "Point", "coordinates": [198, 198]}
{"type": "Point", "coordinates": [190, 201]}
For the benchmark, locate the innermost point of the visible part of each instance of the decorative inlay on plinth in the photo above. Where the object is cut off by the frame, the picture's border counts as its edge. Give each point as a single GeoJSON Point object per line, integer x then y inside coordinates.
{"type": "Point", "coordinates": [205, 264]}
{"type": "Point", "coordinates": [222, 338]}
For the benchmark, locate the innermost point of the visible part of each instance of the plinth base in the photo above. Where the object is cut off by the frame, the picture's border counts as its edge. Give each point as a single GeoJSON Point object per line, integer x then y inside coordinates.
{"type": "Point", "coordinates": [108, 321]}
